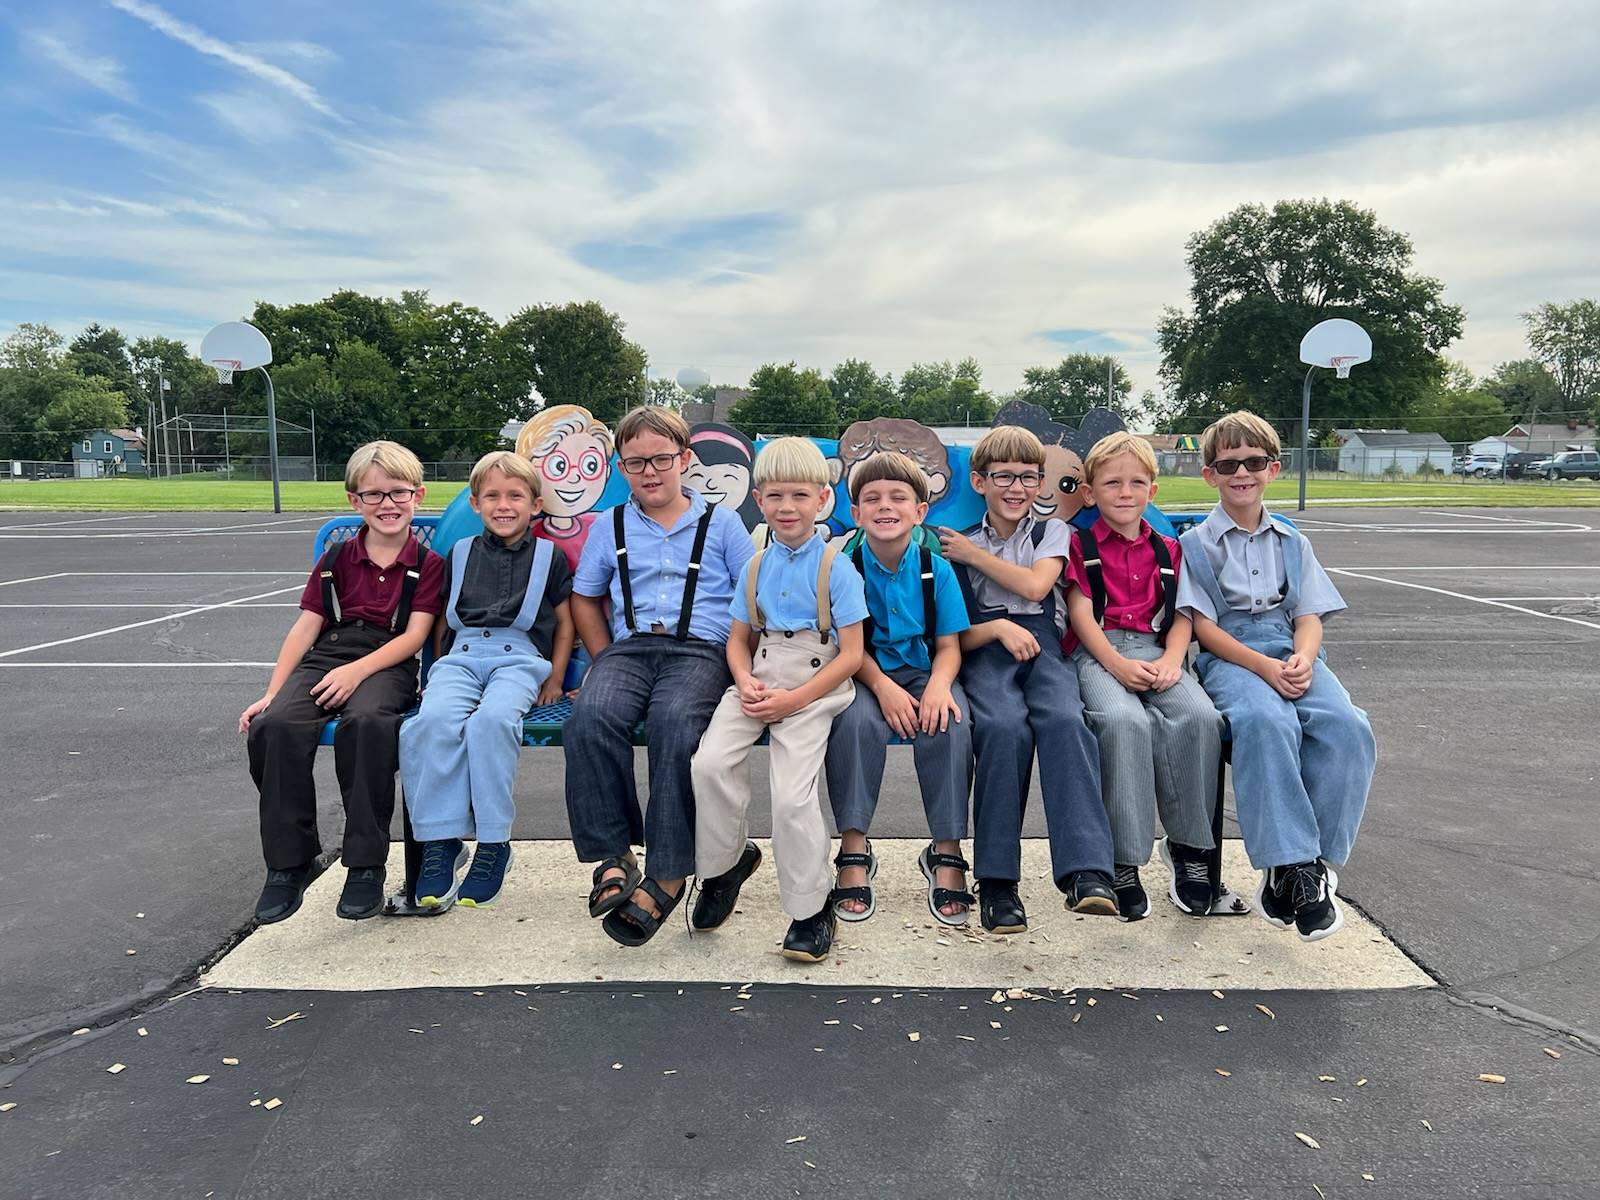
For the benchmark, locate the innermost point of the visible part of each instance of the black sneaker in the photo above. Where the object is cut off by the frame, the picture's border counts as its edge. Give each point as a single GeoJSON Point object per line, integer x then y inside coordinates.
{"type": "Point", "coordinates": [1091, 892]}
{"type": "Point", "coordinates": [284, 890]}
{"type": "Point", "coordinates": [1313, 890]}
{"type": "Point", "coordinates": [1000, 908]}
{"type": "Point", "coordinates": [1132, 903]}
{"type": "Point", "coordinates": [809, 940]}
{"type": "Point", "coordinates": [720, 893]}
{"type": "Point", "coordinates": [1190, 888]}
{"type": "Point", "coordinates": [363, 894]}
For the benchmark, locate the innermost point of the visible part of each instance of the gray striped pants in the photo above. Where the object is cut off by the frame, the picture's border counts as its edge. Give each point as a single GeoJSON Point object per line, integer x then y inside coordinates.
{"type": "Point", "coordinates": [1160, 746]}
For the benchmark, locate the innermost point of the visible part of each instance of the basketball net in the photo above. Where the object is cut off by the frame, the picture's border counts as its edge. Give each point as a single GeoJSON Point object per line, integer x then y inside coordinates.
{"type": "Point", "coordinates": [1341, 364]}
{"type": "Point", "coordinates": [225, 367]}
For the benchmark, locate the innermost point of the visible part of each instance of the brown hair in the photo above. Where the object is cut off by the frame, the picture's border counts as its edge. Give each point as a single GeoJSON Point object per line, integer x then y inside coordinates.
{"type": "Point", "coordinates": [510, 464]}
{"type": "Point", "coordinates": [863, 439]}
{"type": "Point", "coordinates": [1115, 445]}
{"type": "Point", "coordinates": [1007, 443]}
{"type": "Point", "coordinates": [1235, 430]}
{"type": "Point", "coordinates": [653, 418]}
{"type": "Point", "coordinates": [889, 465]}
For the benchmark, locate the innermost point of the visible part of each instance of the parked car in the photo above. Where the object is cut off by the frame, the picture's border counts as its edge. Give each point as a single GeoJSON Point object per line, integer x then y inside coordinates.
{"type": "Point", "coordinates": [1569, 464]}
{"type": "Point", "coordinates": [1481, 466]}
{"type": "Point", "coordinates": [1515, 465]}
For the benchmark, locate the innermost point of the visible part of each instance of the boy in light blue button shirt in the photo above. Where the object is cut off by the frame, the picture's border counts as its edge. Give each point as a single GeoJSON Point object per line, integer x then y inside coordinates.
{"type": "Point", "coordinates": [1303, 753]}
{"type": "Point", "coordinates": [908, 674]}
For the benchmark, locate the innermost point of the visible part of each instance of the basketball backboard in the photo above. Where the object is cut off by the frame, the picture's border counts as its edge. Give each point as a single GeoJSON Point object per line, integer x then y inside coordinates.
{"type": "Point", "coordinates": [1336, 343]}
{"type": "Point", "coordinates": [235, 346]}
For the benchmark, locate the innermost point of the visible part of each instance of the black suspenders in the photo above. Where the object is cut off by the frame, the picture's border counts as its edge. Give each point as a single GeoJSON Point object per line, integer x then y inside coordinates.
{"type": "Point", "coordinates": [1097, 581]}
{"type": "Point", "coordinates": [929, 608]}
{"type": "Point", "coordinates": [334, 613]}
{"type": "Point", "coordinates": [964, 578]}
{"type": "Point", "coordinates": [691, 576]}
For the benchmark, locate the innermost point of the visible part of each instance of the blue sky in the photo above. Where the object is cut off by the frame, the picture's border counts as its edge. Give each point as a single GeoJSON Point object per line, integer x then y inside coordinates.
{"type": "Point", "coordinates": [752, 181]}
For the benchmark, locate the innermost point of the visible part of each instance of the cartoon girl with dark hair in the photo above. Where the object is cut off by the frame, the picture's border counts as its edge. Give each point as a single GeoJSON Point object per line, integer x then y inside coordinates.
{"type": "Point", "coordinates": [721, 460]}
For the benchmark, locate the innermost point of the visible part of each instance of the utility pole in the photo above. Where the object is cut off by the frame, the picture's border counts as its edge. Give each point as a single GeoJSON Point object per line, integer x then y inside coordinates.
{"type": "Point", "coordinates": [166, 447]}
{"type": "Point", "coordinates": [314, 473]}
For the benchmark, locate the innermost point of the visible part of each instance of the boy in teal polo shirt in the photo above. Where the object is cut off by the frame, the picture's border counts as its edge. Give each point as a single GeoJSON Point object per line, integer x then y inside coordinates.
{"type": "Point", "coordinates": [908, 687]}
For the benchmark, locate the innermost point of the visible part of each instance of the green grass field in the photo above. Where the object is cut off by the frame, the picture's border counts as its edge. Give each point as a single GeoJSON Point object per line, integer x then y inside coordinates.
{"type": "Point", "coordinates": [192, 495]}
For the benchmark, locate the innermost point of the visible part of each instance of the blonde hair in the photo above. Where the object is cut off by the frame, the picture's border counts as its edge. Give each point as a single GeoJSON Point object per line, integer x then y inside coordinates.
{"type": "Point", "coordinates": [790, 460]}
{"type": "Point", "coordinates": [549, 425]}
{"type": "Point", "coordinates": [1235, 430]}
{"type": "Point", "coordinates": [1115, 445]}
{"type": "Point", "coordinates": [892, 466]}
{"type": "Point", "coordinates": [393, 459]}
{"type": "Point", "coordinates": [510, 464]}
{"type": "Point", "coordinates": [1007, 443]}
{"type": "Point", "coordinates": [653, 418]}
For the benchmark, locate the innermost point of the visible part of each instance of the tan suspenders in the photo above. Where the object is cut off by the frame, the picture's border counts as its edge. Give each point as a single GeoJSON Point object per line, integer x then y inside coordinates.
{"type": "Point", "coordinates": [824, 600]}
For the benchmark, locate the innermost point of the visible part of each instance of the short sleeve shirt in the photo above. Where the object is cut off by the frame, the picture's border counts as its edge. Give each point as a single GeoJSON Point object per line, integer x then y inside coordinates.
{"type": "Point", "coordinates": [1250, 570]}
{"type": "Point", "coordinates": [495, 583]}
{"type": "Point", "coordinates": [894, 600]}
{"type": "Point", "coordinates": [368, 592]}
{"type": "Point", "coordinates": [786, 588]}
{"type": "Point", "coordinates": [1132, 578]}
{"type": "Point", "coordinates": [1054, 542]}
{"type": "Point", "coordinates": [658, 562]}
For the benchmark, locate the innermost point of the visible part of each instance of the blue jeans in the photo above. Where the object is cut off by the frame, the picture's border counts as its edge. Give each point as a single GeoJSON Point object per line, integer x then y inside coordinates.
{"type": "Point", "coordinates": [673, 687]}
{"type": "Point", "coordinates": [1301, 768]}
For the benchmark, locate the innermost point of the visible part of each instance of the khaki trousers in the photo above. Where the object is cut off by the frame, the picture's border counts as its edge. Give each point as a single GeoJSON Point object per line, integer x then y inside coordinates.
{"type": "Point", "coordinates": [800, 841]}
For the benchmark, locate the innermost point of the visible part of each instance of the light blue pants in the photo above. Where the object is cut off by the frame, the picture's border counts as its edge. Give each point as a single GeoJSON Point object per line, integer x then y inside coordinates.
{"type": "Point", "coordinates": [458, 755]}
{"type": "Point", "coordinates": [1301, 768]}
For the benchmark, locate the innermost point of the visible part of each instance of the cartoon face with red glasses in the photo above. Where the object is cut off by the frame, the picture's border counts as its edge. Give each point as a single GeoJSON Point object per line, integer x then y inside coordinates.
{"type": "Point", "coordinates": [572, 451]}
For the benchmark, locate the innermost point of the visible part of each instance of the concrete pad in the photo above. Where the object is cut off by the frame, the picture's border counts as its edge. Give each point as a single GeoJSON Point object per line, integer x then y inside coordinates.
{"type": "Point", "coordinates": [539, 932]}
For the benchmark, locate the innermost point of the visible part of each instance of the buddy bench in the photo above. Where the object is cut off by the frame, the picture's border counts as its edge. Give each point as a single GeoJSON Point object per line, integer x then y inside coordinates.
{"type": "Point", "coordinates": [728, 482]}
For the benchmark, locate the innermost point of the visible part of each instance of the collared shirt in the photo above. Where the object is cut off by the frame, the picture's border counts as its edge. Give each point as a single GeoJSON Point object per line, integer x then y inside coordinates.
{"type": "Point", "coordinates": [1055, 542]}
{"type": "Point", "coordinates": [368, 592]}
{"type": "Point", "coordinates": [495, 583]}
{"type": "Point", "coordinates": [1131, 575]}
{"type": "Point", "coordinates": [1250, 571]}
{"type": "Point", "coordinates": [786, 588]}
{"type": "Point", "coordinates": [658, 562]}
{"type": "Point", "coordinates": [894, 599]}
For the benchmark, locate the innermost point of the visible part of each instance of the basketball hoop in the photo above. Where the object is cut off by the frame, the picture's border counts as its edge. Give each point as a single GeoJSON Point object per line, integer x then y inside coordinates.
{"type": "Point", "coordinates": [225, 367]}
{"type": "Point", "coordinates": [1341, 364]}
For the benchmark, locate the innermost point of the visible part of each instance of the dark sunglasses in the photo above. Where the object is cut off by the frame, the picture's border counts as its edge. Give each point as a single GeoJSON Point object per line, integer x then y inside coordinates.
{"type": "Point", "coordinates": [1230, 466]}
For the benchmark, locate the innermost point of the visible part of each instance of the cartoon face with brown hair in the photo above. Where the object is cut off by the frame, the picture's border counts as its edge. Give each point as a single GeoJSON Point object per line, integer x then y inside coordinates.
{"type": "Point", "coordinates": [1062, 494]}
{"type": "Point", "coordinates": [917, 442]}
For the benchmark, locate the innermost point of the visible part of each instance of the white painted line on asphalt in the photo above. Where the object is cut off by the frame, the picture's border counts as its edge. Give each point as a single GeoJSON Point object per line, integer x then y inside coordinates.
{"type": "Point", "coordinates": [1532, 612]}
{"type": "Point", "coordinates": [187, 666]}
{"type": "Point", "coordinates": [142, 574]}
{"type": "Point", "coordinates": [143, 604]}
{"type": "Point", "coordinates": [96, 520]}
{"type": "Point", "coordinates": [1533, 599]}
{"type": "Point", "coordinates": [1472, 516]}
{"type": "Point", "coordinates": [156, 534]}
{"type": "Point", "coordinates": [177, 616]}
{"type": "Point", "coordinates": [1486, 567]}
{"type": "Point", "coordinates": [37, 578]}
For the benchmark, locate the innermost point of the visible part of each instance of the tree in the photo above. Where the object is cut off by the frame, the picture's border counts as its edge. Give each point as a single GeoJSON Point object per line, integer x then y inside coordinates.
{"type": "Point", "coordinates": [192, 386]}
{"type": "Point", "coordinates": [102, 353]}
{"type": "Point", "coordinates": [1261, 277]}
{"type": "Point", "coordinates": [1075, 385]}
{"type": "Point", "coordinates": [1458, 408]}
{"type": "Point", "coordinates": [45, 403]}
{"type": "Point", "coordinates": [1566, 339]}
{"type": "Point", "coordinates": [786, 400]}
{"type": "Point", "coordinates": [861, 394]}
{"type": "Point", "coordinates": [577, 354]}
{"type": "Point", "coordinates": [1525, 388]}
{"type": "Point", "coordinates": [939, 394]}
{"type": "Point", "coordinates": [459, 383]}
{"type": "Point", "coordinates": [667, 394]}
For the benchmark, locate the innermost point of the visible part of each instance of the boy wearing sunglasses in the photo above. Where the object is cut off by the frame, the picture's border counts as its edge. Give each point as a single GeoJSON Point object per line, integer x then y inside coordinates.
{"type": "Point", "coordinates": [1024, 692]}
{"type": "Point", "coordinates": [1303, 753]}
{"type": "Point", "coordinates": [352, 653]}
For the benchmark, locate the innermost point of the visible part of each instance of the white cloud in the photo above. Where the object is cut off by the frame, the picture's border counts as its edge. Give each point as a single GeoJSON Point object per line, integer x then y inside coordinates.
{"type": "Point", "coordinates": [97, 70]}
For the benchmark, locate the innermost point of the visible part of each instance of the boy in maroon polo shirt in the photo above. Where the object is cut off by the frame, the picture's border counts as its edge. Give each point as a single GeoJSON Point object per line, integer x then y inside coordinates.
{"type": "Point", "coordinates": [365, 613]}
{"type": "Point", "coordinates": [1160, 736]}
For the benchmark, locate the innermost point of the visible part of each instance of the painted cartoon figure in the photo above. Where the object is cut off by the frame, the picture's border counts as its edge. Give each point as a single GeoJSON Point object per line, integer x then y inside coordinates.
{"type": "Point", "coordinates": [573, 453]}
{"type": "Point", "coordinates": [919, 443]}
{"type": "Point", "coordinates": [721, 460]}
{"type": "Point", "coordinates": [1064, 450]}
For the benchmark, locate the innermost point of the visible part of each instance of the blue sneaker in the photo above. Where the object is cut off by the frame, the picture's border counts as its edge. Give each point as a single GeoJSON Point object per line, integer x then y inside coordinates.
{"type": "Point", "coordinates": [436, 882]}
{"type": "Point", "coordinates": [481, 887]}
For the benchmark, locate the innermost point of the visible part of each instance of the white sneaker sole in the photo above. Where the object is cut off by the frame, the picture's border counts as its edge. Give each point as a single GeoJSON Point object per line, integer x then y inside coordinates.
{"type": "Point", "coordinates": [1172, 886]}
{"type": "Point", "coordinates": [1338, 910]}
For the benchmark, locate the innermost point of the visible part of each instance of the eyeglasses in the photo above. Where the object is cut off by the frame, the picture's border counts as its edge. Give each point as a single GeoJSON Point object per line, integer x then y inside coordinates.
{"type": "Point", "coordinates": [398, 495]}
{"type": "Point", "coordinates": [636, 466]}
{"type": "Point", "coordinates": [1028, 479]}
{"type": "Point", "coordinates": [1229, 466]}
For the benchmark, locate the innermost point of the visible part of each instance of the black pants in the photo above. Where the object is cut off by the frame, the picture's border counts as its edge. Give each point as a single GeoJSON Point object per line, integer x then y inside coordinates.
{"type": "Point", "coordinates": [366, 753]}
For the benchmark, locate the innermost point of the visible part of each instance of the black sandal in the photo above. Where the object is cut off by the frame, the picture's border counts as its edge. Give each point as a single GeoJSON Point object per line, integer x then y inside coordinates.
{"type": "Point", "coordinates": [599, 906]}
{"type": "Point", "coordinates": [930, 860]}
{"type": "Point", "coordinates": [632, 925]}
{"type": "Point", "coordinates": [864, 895]}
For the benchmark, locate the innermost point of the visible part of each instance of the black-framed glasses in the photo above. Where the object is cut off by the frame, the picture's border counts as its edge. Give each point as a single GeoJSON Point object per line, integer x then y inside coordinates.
{"type": "Point", "coordinates": [1028, 479]}
{"type": "Point", "coordinates": [1230, 466]}
{"type": "Point", "coordinates": [374, 498]}
{"type": "Point", "coordinates": [636, 466]}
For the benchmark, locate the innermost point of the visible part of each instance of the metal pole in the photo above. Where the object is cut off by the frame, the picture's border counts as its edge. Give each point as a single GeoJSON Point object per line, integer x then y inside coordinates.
{"type": "Point", "coordinates": [1305, 434]}
{"type": "Point", "coordinates": [314, 475]}
{"type": "Point", "coordinates": [1110, 390]}
{"type": "Point", "coordinates": [166, 449]}
{"type": "Point", "coordinates": [272, 440]}
{"type": "Point", "coordinates": [227, 455]}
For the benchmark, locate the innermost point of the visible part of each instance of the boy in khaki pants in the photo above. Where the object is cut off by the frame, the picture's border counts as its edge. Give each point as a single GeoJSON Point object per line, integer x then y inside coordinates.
{"type": "Point", "coordinates": [796, 642]}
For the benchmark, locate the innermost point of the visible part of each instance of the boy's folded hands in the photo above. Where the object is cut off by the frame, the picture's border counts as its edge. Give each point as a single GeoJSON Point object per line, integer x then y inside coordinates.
{"type": "Point", "coordinates": [1134, 674]}
{"type": "Point", "coordinates": [774, 705]}
{"type": "Point", "coordinates": [1289, 677]}
{"type": "Point", "coordinates": [1165, 674]}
